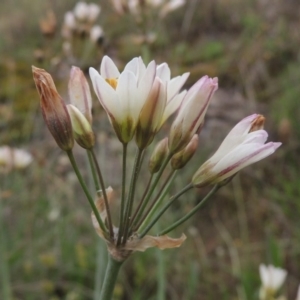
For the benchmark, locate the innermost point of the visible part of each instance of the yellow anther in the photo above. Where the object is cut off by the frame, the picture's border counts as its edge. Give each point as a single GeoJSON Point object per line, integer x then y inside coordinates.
{"type": "Point", "coordinates": [113, 82]}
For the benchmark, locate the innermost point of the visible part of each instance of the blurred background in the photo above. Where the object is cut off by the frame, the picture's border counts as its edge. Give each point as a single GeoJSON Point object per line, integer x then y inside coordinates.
{"type": "Point", "coordinates": [48, 247]}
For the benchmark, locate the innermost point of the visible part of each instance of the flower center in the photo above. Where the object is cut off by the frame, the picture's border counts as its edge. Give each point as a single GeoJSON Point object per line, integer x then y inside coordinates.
{"type": "Point", "coordinates": [113, 82]}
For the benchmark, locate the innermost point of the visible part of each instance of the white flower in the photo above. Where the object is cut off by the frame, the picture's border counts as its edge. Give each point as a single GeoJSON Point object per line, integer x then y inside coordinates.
{"type": "Point", "coordinates": [191, 113]}
{"type": "Point", "coordinates": [243, 146]}
{"type": "Point", "coordinates": [69, 20]}
{"type": "Point", "coordinates": [14, 158]}
{"type": "Point", "coordinates": [81, 11]}
{"type": "Point", "coordinates": [93, 12]}
{"type": "Point", "coordinates": [123, 95]}
{"type": "Point", "coordinates": [96, 33]}
{"type": "Point", "coordinates": [272, 278]}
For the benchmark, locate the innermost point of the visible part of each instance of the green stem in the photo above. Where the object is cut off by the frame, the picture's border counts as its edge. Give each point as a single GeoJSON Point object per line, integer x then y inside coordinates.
{"type": "Point", "coordinates": [131, 193]}
{"type": "Point", "coordinates": [102, 184]}
{"type": "Point", "coordinates": [153, 186]}
{"type": "Point", "coordinates": [157, 201]}
{"type": "Point", "coordinates": [110, 278]}
{"type": "Point", "coordinates": [94, 174]}
{"type": "Point", "coordinates": [161, 212]}
{"type": "Point", "coordinates": [85, 189]}
{"type": "Point", "coordinates": [192, 212]}
{"type": "Point", "coordinates": [123, 193]}
{"type": "Point", "coordinates": [141, 202]}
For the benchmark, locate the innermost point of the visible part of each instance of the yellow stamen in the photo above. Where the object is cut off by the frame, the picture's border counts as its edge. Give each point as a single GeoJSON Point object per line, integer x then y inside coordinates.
{"type": "Point", "coordinates": [113, 82]}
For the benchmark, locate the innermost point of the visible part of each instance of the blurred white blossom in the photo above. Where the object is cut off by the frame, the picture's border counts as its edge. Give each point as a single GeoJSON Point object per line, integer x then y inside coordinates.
{"type": "Point", "coordinates": [272, 279]}
{"type": "Point", "coordinates": [13, 158]}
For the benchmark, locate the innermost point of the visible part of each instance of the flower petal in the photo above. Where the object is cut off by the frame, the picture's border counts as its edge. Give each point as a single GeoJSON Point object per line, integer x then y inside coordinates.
{"type": "Point", "coordinates": [241, 157]}
{"type": "Point", "coordinates": [163, 72]}
{"type": "Point", "coordinates": [106, 94]}
{"type": "Point", "coordinates": [108, 69]}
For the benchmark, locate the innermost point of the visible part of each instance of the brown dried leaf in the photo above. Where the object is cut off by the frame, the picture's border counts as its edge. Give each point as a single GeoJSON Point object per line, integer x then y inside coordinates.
{"type": "Point", "coordinates": [161, 242]}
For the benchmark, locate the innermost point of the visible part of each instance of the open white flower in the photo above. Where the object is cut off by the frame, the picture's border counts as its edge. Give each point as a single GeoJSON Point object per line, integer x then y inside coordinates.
{"type": "Point", "coordinates": [298, 293]}
{"type": "Point", "coordinates": [191, 113]}
{"type": "Point", "coordinates": [243, 146]}
{"type": "Point", "coordinates": [272, 278]}
{"type": "Point", "coordinates": [123, 95]}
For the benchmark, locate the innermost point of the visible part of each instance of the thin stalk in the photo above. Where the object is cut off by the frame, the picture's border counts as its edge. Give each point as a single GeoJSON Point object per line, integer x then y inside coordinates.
{"type": "Point", "coordinates": [110, 278]}
{"type": "Point", "coordinates": [141, 202]}
{"type": "Point", "coordinates": [123, 193]}
{"type": "Point", "coordinates": [93, 170]}
{"type": "Point", "coordinates": [102, 184]}
{"type": "Point", "coordinates": [157, 200]}
{"type": "Point", "coordinates": [131, 193]}
{"type": "Point", "coordinates": [192, 212]}
{"type": "Point", "coordinates": [161, 212]}
{"type": "Point", "coordinates": [86, 191]}
{"type": "Point", "coordinates": [153, 186]}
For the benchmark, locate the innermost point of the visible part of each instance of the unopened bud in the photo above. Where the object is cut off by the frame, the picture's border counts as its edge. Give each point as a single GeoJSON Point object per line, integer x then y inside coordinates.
{"type": "Point", "coordinates": [158, 156]}
{"type": "Point", "coordinates": [79, 92]}
{"type": "Point", "coordinates": [181, 158]}
{"type": "Point", "coordinates": [82, 130]}
{"type": "Point", "coordinates": [53, 109]}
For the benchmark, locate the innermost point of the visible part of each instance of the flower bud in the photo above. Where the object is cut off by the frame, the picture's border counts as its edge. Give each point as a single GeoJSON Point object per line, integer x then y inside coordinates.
{"type": "Point", "coordinates": [158, 156]}
{"type": "Point", "coordinates": [82, 130]}
{"type": "Point", "coordinates": [181, 158]}
{"type": "Point", "coordinates": [53, 109]}
{"type": "Point", "coordinates": [80, 94]}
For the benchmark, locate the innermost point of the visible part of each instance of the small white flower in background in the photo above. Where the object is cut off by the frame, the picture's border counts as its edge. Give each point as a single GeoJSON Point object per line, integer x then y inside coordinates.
{"type": "Point", "coordinates": [93, 12]}
{"type": "Point", "coordinates": [96, 33]}
{"type": "Point", "coordinates": [13, 158]}
{"type": "Point", "coordinates": [69, 20]}
{"type": "Point", "coordinates": [243, 146]}
{"type": "Point", "coordinates": [81, 11]}
{"type": "Point", "coordinates": [272, 279]}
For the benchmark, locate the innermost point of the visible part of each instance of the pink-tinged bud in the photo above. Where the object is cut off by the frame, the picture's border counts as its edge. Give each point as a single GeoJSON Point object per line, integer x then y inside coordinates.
{"type": "Point", "coordinates": [181, 158]}
{"type": "Point", "coordinates": [243, 146]}
{"type": "Point", "coordinates": [191, 113]}
{"type": "Point", "coordinates": [151, 114]}
{"type": "Point", "coordinates": [158, 156]}
{"type": "Point", "coordinates": [53, 109]}
{"type": "Point", "coordinates": [82, 130]}
{"type": "Point", "coordinates": [80, 94]}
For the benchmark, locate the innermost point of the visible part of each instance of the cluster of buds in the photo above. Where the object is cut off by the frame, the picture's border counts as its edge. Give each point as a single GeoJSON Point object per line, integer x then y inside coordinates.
{"type": "Point", "coordinates": [272, 279]}
{"type": "Point", "coordinates": [138, 101]}
{"type": "Point", "coordinates": [13, 158]}
{"type": "Point", "coordinates": [81, 22]}
{"type": "Point", "coordinates": [136, 6]}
